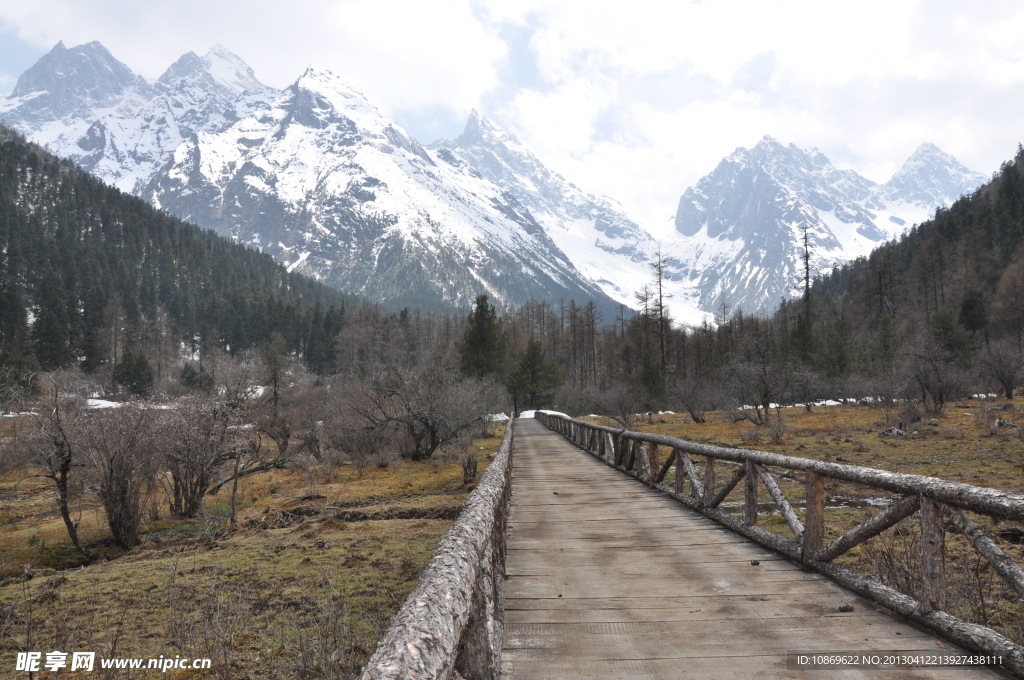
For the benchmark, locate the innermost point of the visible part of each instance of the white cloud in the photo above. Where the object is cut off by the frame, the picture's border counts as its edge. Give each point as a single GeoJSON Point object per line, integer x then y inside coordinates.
{"type": "Point", "coordinates": [561, 119]}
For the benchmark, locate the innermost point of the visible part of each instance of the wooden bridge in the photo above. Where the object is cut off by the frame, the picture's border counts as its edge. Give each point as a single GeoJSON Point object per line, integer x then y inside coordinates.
{"type": "Point", "coordinates": [607, 577]}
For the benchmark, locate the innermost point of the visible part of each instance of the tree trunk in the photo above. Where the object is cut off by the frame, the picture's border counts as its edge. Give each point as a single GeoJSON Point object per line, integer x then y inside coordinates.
{"type": "Point", "coordinates": [63, 495]}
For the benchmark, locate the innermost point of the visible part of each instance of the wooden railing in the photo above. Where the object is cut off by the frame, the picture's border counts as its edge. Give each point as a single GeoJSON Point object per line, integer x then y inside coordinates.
{"type": "Point", "coordinates": [705, 483]}
{"type": "Point", "coordinates": [451, 626]}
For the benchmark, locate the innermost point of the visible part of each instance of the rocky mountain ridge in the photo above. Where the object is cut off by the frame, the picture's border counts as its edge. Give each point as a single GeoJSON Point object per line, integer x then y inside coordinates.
{"type": "Point", "coordinates": [742, 227]}
{"type": "Point", "coordinates": [315, 175]}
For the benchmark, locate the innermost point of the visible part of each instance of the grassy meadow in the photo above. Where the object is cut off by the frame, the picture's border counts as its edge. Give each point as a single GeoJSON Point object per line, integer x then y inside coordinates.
{"type": "Point", "coordinates": [303, 586]}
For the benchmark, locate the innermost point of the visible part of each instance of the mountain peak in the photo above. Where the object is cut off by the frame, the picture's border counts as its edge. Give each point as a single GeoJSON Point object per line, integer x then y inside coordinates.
{"type": "Point", "coordinates": [220, 69]}
{"type": "Point", "coordinates": [320, 98]}
{"type": "Point", "coordinates": [341, 95]}
{"type": "Point", "coordinates": [929, 148]}
{"type": "Point", "coordinates": [930, 176]}
{"type": "Point", "coordinates": [744, 223]}
{"type": "Point", "coordinates": [83, 75]}
{"type": "Point", "coordinates": [218, 50]}
{"type": "Point", "coordinates": [481, 130]}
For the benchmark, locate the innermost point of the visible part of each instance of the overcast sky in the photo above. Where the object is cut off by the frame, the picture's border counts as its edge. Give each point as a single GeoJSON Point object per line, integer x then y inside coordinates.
{"type": "Point", "coordinates": [633, 99]}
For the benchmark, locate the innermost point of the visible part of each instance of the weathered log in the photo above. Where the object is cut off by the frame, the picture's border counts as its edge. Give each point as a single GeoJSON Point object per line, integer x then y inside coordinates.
{"type": "Point", "coordinates": [1001, 562]}
{"type": "Point", "coordinates": [895, 513]}
{"type": "Point", "coordinates": [648, 468]}
{"type": "Point", "coordinates": [795, 525]}
{"type": "Point", "coordinates": [696, 490]}
{"type": "Point", "coordinates": [709, 481]}
{"type": "Point", "coordinates": [717, 499]}
{"type": "Point", "coordinates": [933, 557]}
{"type": "Point", "coordinates": [750, 494]}
{"type": "Point", "coordinates": [814, 516]}
{"type": "Point", "coordinates": [620, 454]}
{"type": "Point", "coordinates": [631, 456]}
{"type": "Point", "coordinates": [451, 624]}
{"type": "Point", "coordinates": [677, 484]}
{"type": "Point", "coordinates": [666, 466]}
{"type": "Point", "coordinates": [993, 502]}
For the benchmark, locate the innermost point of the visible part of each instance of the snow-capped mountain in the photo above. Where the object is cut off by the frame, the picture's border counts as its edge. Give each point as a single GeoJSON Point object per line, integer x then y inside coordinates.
{"type": "Point", "coordinates": [930, 177]}
{"type": "Point", "coordinates": [325, 183]}
{"type": "Point", "coordinates": [742, 227]}
{"type": "Point", "coordinates": [85, 105]}
{"type": "Point", "coordinates": [313, 174]}
{"type": "Point", "coordinates": [594, 232]}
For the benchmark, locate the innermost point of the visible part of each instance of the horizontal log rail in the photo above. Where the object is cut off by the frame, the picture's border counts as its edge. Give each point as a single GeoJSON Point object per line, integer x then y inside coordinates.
{"type": "Point", "coordinates": [935, 502]}
{"type": "Point", "coordinates": [451, 626]}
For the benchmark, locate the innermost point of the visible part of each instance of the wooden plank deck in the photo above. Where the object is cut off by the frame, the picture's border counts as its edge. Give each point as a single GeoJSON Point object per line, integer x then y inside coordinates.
{"type": "Point", "coordinates": [608, 578]}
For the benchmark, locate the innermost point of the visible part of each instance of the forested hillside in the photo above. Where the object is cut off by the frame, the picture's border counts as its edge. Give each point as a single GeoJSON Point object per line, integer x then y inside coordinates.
{"type": "Point", "coordinates": [944, 299]}
{"type": "Point", "coordinates": [95, 277]}
{"type": "Point", "coordinates": [924, 320]}
{"type": "Point", "coordinates": [967, 261]}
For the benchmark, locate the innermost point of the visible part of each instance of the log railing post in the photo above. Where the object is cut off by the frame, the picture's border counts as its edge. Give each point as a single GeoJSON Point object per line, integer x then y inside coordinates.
{"type": "Point", "coordinates": [680, 471]}
{"type": "Point", "coordinates": [709, 479]}
{"type": "Point", "coordinates": [750, 495]}
{"type": "Point", "coordinates": [933, 557]}
{"type": "Point", "coordinates": [814, 517]}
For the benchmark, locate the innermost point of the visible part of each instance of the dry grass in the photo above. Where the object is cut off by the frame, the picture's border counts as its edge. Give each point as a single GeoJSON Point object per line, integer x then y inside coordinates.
{"type": "Point", "coordinates": [304, 586]}
{"type": "Point", "coordinates": [958, 446]}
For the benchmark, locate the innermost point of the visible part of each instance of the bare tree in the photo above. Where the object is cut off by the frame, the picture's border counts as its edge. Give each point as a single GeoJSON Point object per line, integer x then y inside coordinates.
{"type": "Point", "coordinates": [249, 457]}
{"type": "Point", "coordinates": [120, 444]}
{"type": "Point", "coordinates": [200, 442]}
{"type": "Point", "coordinates": [1003, 363]}
{"type": "Point", "coordinates": [234, 448]}
{"type": "Point", "coordinates": [697, 396]}
{"type": "Point", "coordinates": [54, 442]}
{"type": "Point", "coordinates": [429, 403]}
{"type": "Point", "coordinates": [621, 402]}
{"type": "Point", "coordinates": [348, 431]}
{"type": "Point", "coordinates": [758, 376]}
{"type": "Point", "coordinates": [939, 378]}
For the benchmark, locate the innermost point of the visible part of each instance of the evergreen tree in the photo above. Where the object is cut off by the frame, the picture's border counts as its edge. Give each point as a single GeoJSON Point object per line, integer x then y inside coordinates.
{"type": "Point", "coordinates": [135, 373]}
{"type": "Point", "coordinates": [197, 380]}
{"type": "Point", "coordinates": [52, 332]}
{"type": "Point", "coordinates": [973, 316]}
{"type": "Point", "coordinates": [534, 379]}
{"type": "Point", "coordinates": [884, 346]}
{"type": "Point", "coordinates": [483, 344]}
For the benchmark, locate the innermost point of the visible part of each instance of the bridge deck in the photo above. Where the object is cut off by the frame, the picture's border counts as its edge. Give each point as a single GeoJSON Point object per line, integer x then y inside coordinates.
{"type": "Point", "coordinates": [610, 579]}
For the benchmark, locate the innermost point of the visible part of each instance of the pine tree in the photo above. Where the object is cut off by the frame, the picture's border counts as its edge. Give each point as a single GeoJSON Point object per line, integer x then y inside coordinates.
{"type": "Point", "coordinates": [483, 344]}
{"type": "Point", "coordinates": [534, 379]}
{"type": "Point", "coordinates": [135, 373]}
